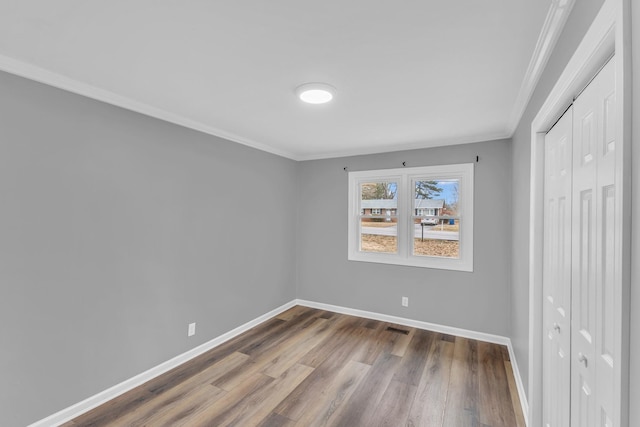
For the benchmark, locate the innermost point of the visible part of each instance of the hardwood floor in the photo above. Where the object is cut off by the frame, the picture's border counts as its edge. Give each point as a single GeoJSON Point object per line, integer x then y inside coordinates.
{"type": "Point", "coordinates": [310, 367]}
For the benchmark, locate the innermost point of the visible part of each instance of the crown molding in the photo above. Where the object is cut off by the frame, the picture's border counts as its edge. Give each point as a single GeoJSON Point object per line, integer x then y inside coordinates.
{"type": "Point", "coordinates": [553, 26]}
{"type": "Point", "coordinates": [557, 16]}
{"type": "Point", "coordinates": [41, 75]}
{"type": "Point", "coordinates": [443, 142]}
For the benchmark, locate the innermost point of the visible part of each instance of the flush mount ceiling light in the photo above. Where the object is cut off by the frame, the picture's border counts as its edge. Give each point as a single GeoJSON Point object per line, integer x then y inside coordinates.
{"type": "Point", "coordinates": [315, 93]}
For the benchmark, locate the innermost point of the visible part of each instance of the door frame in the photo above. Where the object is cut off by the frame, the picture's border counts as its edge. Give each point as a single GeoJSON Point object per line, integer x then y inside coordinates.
{"type": "Point", "coordinates": [609, 34]}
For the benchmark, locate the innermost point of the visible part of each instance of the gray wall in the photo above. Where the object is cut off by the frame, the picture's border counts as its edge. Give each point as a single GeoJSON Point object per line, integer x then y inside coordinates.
{"type": "Point", "coordinates": [116, 231]}
{"type": "Point", "coordinates": [577, 25]}
{"type": "Point", "coordinates": [634, 407]}
{"type": "Point", "coordinates": [478, 301]}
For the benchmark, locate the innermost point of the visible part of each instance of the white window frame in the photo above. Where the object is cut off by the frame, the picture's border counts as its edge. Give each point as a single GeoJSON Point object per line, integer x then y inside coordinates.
{"type": "Point", "coordinates": [405, 178]}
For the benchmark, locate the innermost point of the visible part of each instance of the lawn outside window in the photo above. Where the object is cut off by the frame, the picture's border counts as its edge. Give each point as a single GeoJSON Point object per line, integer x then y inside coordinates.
{"type": "Point", "coordinates": [421, 217]}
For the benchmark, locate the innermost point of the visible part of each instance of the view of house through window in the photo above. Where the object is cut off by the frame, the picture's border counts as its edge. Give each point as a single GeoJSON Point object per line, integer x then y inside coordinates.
{"type": "Point", "coordinates": [435, 220]}
{"type": "Point", "coordinates": [413, 216]}
{"type": "Point", "coordinates": [379, 232]}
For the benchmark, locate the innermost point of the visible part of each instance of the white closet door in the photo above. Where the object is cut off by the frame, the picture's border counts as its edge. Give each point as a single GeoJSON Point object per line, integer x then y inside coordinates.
{"type": "Point", "coordinates": [557, 273]}
{"type": "Point", "coordinates": [593, 260]}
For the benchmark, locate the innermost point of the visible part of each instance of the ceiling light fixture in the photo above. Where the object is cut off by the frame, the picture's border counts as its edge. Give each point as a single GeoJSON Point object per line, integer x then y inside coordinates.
{"type": "Point", "coordinates": [315, 93]}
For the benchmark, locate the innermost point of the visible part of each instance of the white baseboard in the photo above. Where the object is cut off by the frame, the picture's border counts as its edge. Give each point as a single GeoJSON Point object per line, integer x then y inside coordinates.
{"type": "Point", "coordinates": [465, 333]}
{"type": "Point", "coordinates": [86, 405]}
{"type": "Point", "coordinates": [516, 374]}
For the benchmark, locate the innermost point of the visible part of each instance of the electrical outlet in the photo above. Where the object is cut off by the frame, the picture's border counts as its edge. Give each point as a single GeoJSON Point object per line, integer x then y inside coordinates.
{"type": "Point", "coordinates": [192, 329]}
{"type": "Point", "coordinates": [405, 301]}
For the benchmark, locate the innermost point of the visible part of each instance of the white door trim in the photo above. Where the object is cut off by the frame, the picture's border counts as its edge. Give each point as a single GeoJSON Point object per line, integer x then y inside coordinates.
{"type": "Point", "coordinates": [607, 35]}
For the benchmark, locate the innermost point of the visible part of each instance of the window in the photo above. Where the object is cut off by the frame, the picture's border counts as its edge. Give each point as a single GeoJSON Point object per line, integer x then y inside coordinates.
{"type": "Point", "coordinates": [427, 221]}
{"type": "Point", "coordinates": [426, 212]}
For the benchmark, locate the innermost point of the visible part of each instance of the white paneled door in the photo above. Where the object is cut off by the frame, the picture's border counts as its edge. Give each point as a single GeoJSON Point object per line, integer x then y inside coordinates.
{"type": "Point", "coordinates": [557, 273]}
{"type": "Point", "coordinates": [593, 260]}
{"type": "Point", "coordinates": [579, 354]}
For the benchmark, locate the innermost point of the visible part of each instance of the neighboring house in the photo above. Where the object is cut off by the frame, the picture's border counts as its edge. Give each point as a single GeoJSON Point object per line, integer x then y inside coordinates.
{"type": "Point", "coordinates": [379, 207]}
{"type": "Point", "coordinates": [428, 207]}
{"type": "Point", "coordinates": [388, 207]}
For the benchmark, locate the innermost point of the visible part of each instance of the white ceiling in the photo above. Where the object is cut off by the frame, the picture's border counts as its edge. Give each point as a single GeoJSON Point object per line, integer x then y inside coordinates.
{"type": "Point", "coordinates": [408, 73]}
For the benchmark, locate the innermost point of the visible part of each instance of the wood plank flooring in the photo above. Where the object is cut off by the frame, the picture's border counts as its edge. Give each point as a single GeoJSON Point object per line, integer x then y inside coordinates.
{"type": "Point", "coordinates": [309, 367]}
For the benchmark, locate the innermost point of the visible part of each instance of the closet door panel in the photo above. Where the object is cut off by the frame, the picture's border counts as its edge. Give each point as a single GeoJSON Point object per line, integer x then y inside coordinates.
{"type": "Point", "coordinates": [606, 355]}
{"type": "Point", "coordinates": [593, 257]}
{"type": "Point", "coordinates": [557, 273]}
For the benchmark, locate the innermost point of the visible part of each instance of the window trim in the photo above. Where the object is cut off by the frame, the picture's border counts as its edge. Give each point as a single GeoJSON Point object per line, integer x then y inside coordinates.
{"type": "Point", "coordinates": [405, 178]}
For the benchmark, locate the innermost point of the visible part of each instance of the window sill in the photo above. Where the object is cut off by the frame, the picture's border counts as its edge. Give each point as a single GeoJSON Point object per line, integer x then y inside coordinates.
{"type": "Point", "coordinates": [430, 262]}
